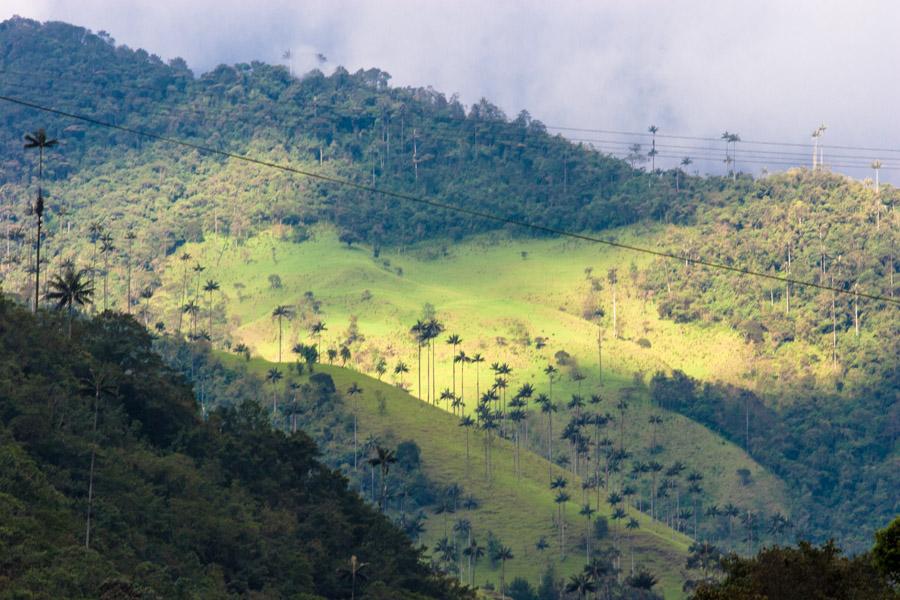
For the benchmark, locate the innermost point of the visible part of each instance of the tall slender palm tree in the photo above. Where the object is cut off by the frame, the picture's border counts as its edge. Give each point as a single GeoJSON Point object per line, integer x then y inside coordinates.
{"type": "Point", "coordinates": [632, 525]}
{"type": "Point", "coordinates": [454, 340]}
{"type": "Point", "coordinates": [192, 310]}
{"type": "Point", "coordinates": [353, 391]}
{"type": "Point", "coordinates": [129, 238]}
{"type": "Point", "coordinates": [70, 289]}
{"type": "Point", "coordinates": [550, 371]}
{"type": "Point", "coordinates": [184, 258]}
{"type": "Point", "coordinates": [467, 422]}
{"type": "Point", "coordinates": [477, 359]}
{"type": "Point", "coordinates": [462, 359]}
{"type": "Point", "coordinates": [39, 140]}
{"type": "Point", "coordinates": [473, 552]}
{"type": "Point", "coordinates": [317, 329]}
{"type": "Point", "coordinates": [434, 328]}
{"type": "Point", "coordinates": [273, 376]}
{"type": "Point", "coordinates": [588, 513]}
{"type": "Point", "coordinates": [504, 553]}
{"type": "Point", "coordinates": [280, 312]}
{"type": "Point", "coordinates": [99, 384]}
{"type": "Point", "coordinates": [210, 287]}
{"type": "Point", "coordinates": [399, 369]}
{"type": "Point", "coordinates": [685, 163]}
{"type": "Point", "coordinates": [383, 458]}
{"type": "Point", "coordinates": [418, 333]}
{"type": "Point", "coordinates": [106, 250]}
{"type": "Point", "coordinates": [198, 270]}
{"type": "Point", "coordinates": [652, 130]}
{"type": "Point", "coordinates": [561, 498]}
{"type": "Point", "coordinates": [581, 584]}
{"type": "Point", "coordinates": [876, 166]}
{"type": "Point", "coordinates": [548, 408]}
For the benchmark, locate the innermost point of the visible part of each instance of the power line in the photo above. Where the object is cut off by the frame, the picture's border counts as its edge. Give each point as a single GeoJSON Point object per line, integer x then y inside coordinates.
{"type": "Point", "coordinates": [774, 158]}
{"type": "Point", "coordinates": [443, 206]}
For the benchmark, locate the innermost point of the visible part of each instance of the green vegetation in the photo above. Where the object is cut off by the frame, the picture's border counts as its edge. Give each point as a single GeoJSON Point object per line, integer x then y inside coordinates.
{"type": "Point", "coordinates": [514, 507]}
{"type": "Point", "coordinates": [111, 487]}
{"type": "Point", "coordinates": [693, 401]}
{"type": "Point", "coordinates": [802, 572]}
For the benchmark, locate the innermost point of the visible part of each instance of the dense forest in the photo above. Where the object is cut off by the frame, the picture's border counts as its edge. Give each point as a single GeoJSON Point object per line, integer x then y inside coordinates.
{"type": "Point", "coordinates": [119, 205]}
{"type": "Point", "coordinates": [112, 487]}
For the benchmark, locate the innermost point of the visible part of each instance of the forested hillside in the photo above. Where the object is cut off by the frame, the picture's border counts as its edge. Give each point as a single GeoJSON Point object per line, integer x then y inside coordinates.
{"type": "Point", "coordinates": [814, 398]}
{"type": "Point", "coordinates": [112, 487]}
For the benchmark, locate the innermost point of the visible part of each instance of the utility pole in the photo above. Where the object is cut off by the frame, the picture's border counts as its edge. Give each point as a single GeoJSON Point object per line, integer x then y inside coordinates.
{"type": "Point", "coordinates": [817, 156]}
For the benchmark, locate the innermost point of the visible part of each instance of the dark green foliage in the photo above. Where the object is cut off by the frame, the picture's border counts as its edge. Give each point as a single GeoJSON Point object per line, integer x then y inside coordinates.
{"type": "Point", "coordinates": [816, 442]}
{"type": "Point", "coordinates": [886, 552]}
{"type": "Point", "coordinates": [806, 571]}
{"type": "Point", "coordinates": [520, 589]}
{"type": "Point", "coordinates": [182, 508]}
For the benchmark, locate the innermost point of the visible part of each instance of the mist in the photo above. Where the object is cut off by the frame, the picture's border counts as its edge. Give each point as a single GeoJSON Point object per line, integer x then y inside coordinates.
{"type": "Point", "coordinates": [768, 70]}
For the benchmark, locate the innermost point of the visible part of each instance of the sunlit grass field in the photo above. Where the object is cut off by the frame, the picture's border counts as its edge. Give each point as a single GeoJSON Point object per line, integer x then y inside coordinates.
{"type": "Point", "coordinates": [518, 509]}
{"type": "Point", "coordinates": [499, 295]}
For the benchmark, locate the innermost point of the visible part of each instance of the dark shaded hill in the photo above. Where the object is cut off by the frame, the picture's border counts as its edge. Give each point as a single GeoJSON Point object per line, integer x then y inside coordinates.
{"type": "Point", "coordinates": [181, 508]}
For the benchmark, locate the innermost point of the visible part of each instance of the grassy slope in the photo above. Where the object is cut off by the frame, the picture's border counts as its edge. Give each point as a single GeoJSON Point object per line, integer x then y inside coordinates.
{"type": "Point", "coordinates": [482, 290]}
{"type": "Point", "coordinates": [518, 510]}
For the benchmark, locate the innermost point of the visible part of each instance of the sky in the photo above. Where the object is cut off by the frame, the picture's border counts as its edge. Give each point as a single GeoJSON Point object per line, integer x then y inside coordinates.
{"type": "Point", "coordinates": [769, 70]}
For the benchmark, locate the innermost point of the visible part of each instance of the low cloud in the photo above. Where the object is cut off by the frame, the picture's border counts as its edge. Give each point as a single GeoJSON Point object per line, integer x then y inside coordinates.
{"type": "Point", "coordinates": [770, 70]}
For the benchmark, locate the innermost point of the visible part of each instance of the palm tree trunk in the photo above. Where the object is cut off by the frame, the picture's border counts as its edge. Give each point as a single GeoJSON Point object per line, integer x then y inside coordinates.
{"type": "Point", "coordinates": [87, 532]}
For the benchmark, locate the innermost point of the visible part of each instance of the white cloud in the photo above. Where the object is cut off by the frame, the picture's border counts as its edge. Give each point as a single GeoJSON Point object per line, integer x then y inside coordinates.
{"type": "Point", "coordinates": [771, 70]}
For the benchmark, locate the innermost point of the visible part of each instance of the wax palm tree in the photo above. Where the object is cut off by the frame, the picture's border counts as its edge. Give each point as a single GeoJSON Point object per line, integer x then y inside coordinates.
{"type": "Point", "coordinates": [184, 258]}
{"type": "Point", "coordinates": [106, 250]}
{"type": "Point", "coordinates": [632, 525]}
{"type": "Point", "coordinates": [68, 290]}
{"type": "Point", "coordinates": [550, 371]}
{"type": "Point", "coordinates": [477, 359]}
{"type": "Point", "coordinates": [39, 140]}
{"type": "Point", "coordinates": [273, 376]}
{"type": "Point", "coordinates": [561, 498]}
{"type": "Point", "coordinates": [352, 392]}
{"type": "Point", "coordinates": [129, 238]}
{"type": "Point", "coordinates": [462, 528]}
{"type": "Point", "coordinates": [876, 166]}
{"type": "Point", "coordinates": [345, 355]}
{"type": "Point", "coordinates": [191, 309]}
{"type": "Point", "coordinates": [652, 130]}
{"type": "Point", "coordinates": [383, 458]}
{"type": "Point", "coordinates": [548, 408]}
{"type": "Point", "coordinates": [198, 270]}
{"type": "Point", "coordinates": [504, 553]}
{"type": "Point", "coordinates": [454, 340]}
{"type": "Point", "coordinates": [474, 553]}
{"type": "Point", "coordinates": [685, 163]}
{"type": "Point", "coordinates": [581, 584]}
{"type": "Point", "coordinates": [210, 287]}
{"type": "Point", "coordinates": [99, 384]}
{"type": "Point", "coordinates": [462, 359]}
{"type": "Point", "coordinates": [281, 312]}
{"type": "Point", "coordinates": [447, 396]}
{"type": "Point", "coordinates": [418, 333]}
{"type": "Point", "coordinates": [467, 423]}
{"type": "Point", "coordinates": [317, 328]}
{"type": "Point", "coordinates": [588, 513]}
{"type": "Point", "coordinates": [399, 369]}
{"type": "Point", "coordinates": [434, 328]}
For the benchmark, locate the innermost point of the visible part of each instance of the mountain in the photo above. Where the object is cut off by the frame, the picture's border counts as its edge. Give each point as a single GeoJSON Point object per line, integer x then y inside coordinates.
{"type": "Point", "coordinates": [112, 487]}
{"type": "Point", "coordinates": [797, 384]}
